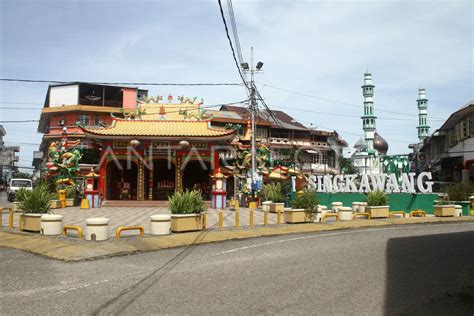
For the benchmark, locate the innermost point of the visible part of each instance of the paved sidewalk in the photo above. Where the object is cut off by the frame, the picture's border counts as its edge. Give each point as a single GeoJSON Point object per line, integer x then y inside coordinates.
{"type": "Point", "coordinates": [70, 249]}
{"type": "Point", "coordinates": [131, 216]}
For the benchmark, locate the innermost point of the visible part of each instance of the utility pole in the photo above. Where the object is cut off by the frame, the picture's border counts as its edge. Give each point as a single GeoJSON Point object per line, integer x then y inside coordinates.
{"type": "Point", "coordinates": [253, 112]}
{"type": "Point", "coordinates": [253, 109]}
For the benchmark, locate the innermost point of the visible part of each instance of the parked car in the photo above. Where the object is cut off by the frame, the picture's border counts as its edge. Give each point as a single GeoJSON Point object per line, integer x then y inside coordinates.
{"type": "Point", "coordinates": [15, 185]}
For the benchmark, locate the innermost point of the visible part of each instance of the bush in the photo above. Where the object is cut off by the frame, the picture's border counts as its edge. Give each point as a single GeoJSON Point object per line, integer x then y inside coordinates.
{"type": "Point", "coordinates": [71, 191]}
{"type": "Point", "coordinates": [20, 194]}
{"type": "Point", "coordinates": [272, 192]}
{"type": "Point", "coordinates": [188, 202]}
{"type": "Point", "coordinates": [37, 200]}
{"type": "Point", "coordinates": [306, 200]}
{"type": "Point", "coordinates": [460, 191]}
{"type": "Point", "coordinates": [376, 198]}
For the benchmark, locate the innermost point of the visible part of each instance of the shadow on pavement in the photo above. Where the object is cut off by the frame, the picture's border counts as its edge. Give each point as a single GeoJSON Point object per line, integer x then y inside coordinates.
{"type": "Point", "coordinates": [432, 274]}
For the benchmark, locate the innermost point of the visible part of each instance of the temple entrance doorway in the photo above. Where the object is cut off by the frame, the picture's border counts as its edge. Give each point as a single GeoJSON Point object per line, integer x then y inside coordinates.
{"type": "Point", "coordinates": [121, 180]}
{"type": "Point", "coordinates": [163, 181]}
{"type": "Point", "coordinates": [197, 176]}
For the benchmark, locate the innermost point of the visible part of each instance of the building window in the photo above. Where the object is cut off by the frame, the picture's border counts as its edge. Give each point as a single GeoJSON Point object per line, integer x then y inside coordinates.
{"type": "Point", "coordinates": [84, 119]}
{"type": "Point", "coordinates": [96, 119]}
{"type": "Point", "coordinates": [262, 133]}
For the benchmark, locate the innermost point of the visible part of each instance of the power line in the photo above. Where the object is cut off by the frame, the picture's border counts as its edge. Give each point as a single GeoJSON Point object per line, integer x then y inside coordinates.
{"type": "Point", "coordinates": [13, 102]}
{"type": "Point", "coordinates": [339, 102]}
{"type": "Point", "coordinates": [231, 46]}
{"type": "Point", "coordinates": [120, 83]}
{"type": "Point", "coordinates": [25, 121]}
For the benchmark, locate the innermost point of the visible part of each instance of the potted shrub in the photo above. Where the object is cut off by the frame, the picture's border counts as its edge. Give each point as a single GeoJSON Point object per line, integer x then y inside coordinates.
{"type": "Point", "coordinates": [186, 208]}
{"type": "Point", "coordinates": [458, 194]}
{"type": "Point", "coordinates": [444, 207]}
{"type": "Point", "coordinates": [275, 194]}
{"type": "Point", "coordinates": [304, 208]}
{"type": "Point", "coordinates": [33, 205]}
{"type": "Point", "coordinates": [19, 196]}
{"type": "Point", "coordinates": [377, 204]}
{"type": "Point", "coordinates": [265, 197]}
{"type": "Point", "coordinates": [71, 193]}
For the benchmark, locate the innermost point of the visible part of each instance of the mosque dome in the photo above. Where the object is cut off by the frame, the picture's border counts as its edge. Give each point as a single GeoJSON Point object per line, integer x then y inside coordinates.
{"type": "Point", "coordinates": [361, 145]}
{"type": "Point", "coordinates": [380, 144]}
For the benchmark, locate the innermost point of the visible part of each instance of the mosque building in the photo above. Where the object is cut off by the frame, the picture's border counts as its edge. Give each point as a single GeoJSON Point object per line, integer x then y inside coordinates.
{"type": "Point", "coordinates": [368, 150]}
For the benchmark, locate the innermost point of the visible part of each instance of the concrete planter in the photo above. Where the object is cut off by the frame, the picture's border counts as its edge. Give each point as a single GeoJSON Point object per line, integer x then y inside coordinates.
{"type": "Point", "coordinates": [378, 211]}
{"type": "Point", "coordinates": [186, 222]}
{"type": "Point", "coordinates": [444, 210]}
{"type": "Point", "coordinates": [51, 224]}
{"type": "Point", "coordinates": [97, 229]}
{"type": "Point", "coordinates": [345, 213]}
{"type": "Point", "coordinates": [266, 206]}
{"type": "Point", "coordinates": [70, 202]}
{"type": "Point", "coordinates": [30, 222]}
{"type": "Point", "coordinates": [160, 224]}
{"type": "Point", "coordinates": [274, 207]}
{"type": "Point", "coordinates": [297, 215]}
{"type": "Point", "coordinates": [55, 204]}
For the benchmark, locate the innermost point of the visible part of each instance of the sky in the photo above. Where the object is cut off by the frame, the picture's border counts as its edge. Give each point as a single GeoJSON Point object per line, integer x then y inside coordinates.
{"type": "Point", "coordinates": [316, 50]}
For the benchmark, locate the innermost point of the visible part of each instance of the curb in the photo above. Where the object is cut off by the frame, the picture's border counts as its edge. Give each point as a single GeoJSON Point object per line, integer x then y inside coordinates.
{"type": "Point", "coordinates": [70, 250]}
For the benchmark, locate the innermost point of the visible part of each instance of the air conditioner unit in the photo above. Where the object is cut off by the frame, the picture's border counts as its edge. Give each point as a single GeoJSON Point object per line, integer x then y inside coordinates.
{"type": "Point", "coordinates": [61, 122]}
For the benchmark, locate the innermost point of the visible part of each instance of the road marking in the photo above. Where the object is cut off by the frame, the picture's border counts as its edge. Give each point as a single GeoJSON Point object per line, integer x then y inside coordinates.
{"type": "Point", "coordinates": [324, 235]}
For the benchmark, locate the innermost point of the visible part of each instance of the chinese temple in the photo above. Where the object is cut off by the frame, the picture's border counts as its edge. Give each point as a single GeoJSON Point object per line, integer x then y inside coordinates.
{"type": "Point", "coordinates": [158, 149]}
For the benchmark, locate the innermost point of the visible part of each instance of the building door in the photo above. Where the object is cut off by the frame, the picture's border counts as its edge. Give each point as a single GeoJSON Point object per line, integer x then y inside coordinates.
{"type": "Point", "coordinates": [197, 176]}
{"type": "Point", "coordinates": [160, 181]}
{"type": "Point", "coordinates": [121, 180]}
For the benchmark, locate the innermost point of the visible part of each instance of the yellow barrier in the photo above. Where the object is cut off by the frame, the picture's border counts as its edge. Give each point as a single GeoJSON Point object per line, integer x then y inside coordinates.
{"type": "Point", "coordinates": [418, 213]}
{"type": "Point", "coordinates": [361, 214]}
{"type": "Point", "coordinates": [265, 218]}
{"type": "Point", "coordinates": [204, 221]}
{"type": "Point", "coordinates": [120, 229]}
{"type": "Point", "coordinates": [76, 228]}
{"type": "Point", "coordinates": [398, 213]}
{"type": "Point", "coordinates": [251, 218]}
{"type": "Point", "coordinates": [252, 205]}
{"type": "Point", "coordinates": [221, 220]}
{"type": "Point", "coordinates": [10, 219]}
{"type": "Point", "coordinates": [330, 215]}
{"type": "Point", "coordinates": [278, 216]}
{"type": "Point", "coordinates": [237, 219]}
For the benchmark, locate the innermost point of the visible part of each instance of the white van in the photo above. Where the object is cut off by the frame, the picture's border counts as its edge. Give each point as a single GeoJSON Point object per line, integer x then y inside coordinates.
{"type": "Point", "coordinates": [15, 185]}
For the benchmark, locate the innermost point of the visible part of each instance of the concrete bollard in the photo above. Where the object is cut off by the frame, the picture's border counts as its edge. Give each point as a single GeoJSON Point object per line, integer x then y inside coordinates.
{"type": "Point", "coordinates": [457, 210]}
{"type": "Point", "coordinates": [355, 207]}
{"type": "Point", "coordinates": [335, 206]}
{"type": "Point", "coordinates": [362, 206]}
{"type": "Point", "coordinates": [97, 229]}
{"type": "Point", "coordinates": [345, 213]}
{"type": "Point", "coordinates": [51, 224]}
{"type": "Point", "coordinates": [160, 224]}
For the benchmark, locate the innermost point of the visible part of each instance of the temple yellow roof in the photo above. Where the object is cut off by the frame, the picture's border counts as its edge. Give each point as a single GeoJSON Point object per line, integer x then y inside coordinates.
{"type": "Point", "coordinates": [159, 128]}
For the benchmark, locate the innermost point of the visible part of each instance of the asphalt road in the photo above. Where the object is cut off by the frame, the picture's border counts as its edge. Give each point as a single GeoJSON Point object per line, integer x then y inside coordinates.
{"type": "Point", "coordinates": [417, 269]}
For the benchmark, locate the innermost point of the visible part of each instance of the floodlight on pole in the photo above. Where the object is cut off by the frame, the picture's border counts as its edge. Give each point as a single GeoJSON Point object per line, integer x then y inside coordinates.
{"type": "Point", "coordinates": [259, 65]}
{"type": "Point", "coordinates": [245, 66]}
